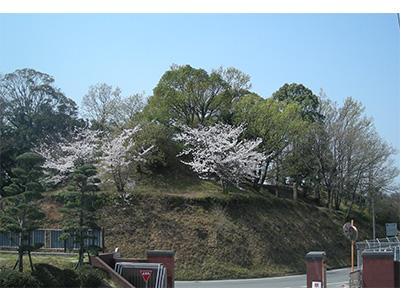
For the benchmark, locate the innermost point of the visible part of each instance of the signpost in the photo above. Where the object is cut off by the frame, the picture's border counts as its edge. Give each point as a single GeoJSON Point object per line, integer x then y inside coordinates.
{"type": "Point", "coordinates": [391, 229]}
{"type": "Point", "coordinates": [146, 274]}
{"type": "Point", "coordinates": [351, 233]}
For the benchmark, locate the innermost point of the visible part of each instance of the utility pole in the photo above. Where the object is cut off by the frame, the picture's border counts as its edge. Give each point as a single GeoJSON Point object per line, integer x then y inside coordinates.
{"type": "Point", "coordinates": [371, 196]}
{"type": "Point", "coordinates": [373, 217]}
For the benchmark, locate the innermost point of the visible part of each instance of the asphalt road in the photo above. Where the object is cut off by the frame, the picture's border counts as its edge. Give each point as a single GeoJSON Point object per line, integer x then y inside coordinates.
{"type": "Point", "coordinates": [336, 279]}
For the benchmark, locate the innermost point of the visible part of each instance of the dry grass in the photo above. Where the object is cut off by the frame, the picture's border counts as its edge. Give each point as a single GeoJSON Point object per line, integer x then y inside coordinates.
{"type": "Point", "coordinates": [243, 234]}
{"type": "Point", "coordinates": [215, 235]}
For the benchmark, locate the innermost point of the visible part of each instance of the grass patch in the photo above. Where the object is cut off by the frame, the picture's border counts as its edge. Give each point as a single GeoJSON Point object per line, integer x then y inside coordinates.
{"type": "Point", "coordinates": [7, 261]}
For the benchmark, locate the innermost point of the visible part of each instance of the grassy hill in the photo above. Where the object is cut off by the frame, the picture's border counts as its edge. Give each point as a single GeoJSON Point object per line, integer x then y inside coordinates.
{"type": "Point", "coordinates": [215, 235]}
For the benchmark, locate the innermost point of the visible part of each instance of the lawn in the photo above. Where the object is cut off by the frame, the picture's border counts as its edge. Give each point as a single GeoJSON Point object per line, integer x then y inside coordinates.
{"type": "Point", "coordinates": [7, 260]}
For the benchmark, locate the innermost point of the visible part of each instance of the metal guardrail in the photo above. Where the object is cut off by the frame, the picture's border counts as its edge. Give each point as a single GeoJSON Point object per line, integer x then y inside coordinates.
{"type": "Point", "coordinates": [50, 238]}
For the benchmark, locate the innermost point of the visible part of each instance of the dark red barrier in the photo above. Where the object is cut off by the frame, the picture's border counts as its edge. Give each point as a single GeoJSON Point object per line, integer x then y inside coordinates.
{"type": "Point", "coordinates": [316, 269]}
{"type": "Point", "coordinates": [378, 269]}
{"type": "Point", "coordinates": [167, 258]}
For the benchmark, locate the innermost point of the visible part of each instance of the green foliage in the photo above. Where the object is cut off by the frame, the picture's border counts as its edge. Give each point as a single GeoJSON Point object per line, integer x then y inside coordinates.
{"type": "Point", "coordinates": [32, 111]}
{"type": "Point", "coordinates": [50, 276]}
{"type": "Point", "coordinates": [298, 93]}
{"type": "Point", "coordinates": [81, 203]}
{"type": "Point", "coordinates": [21, 213]}
{"type": "Point", "coordinates": [388, 208]}
{"type": "Point", "coordinates": [90, 277]}
{"type": "Point", "coordinates": [273, 121]}
{"type": "Point", "coordinates": [277, 123]}
{"type": "Point", "coordinates": [15, 279]}
{"type": "Point", "coordinates": [37, 110]}
{"type": "Point", "coordinates": [192, 96]}
{"type": "Point", "coordinates": [164, 152]}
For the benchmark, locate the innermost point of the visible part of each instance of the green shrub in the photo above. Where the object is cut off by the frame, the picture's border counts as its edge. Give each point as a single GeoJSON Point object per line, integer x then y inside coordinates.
{"type": "Point", "coordinates": [70, 279]}
{"type": "Point", "coordinates": [52, 277]}
{"type": "Point", "coordinates": [47, 275]}
{"type": "Point", "coordinates": [90, 277]}
{"type": "Point", "coordinates": [15, 279]}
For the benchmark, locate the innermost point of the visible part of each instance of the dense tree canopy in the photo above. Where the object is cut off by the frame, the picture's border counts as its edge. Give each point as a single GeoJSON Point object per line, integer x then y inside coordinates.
{"type": "Point", "coordinates": [192, 96]}
{"type": "Point", "coordinates": [34, 108]}
{"type": "Point", "coordinates": [303, 96]}
{"type": "Point", "coordinates": [32, 111]}
{"type": "Point", "coordinates": [208, 123]}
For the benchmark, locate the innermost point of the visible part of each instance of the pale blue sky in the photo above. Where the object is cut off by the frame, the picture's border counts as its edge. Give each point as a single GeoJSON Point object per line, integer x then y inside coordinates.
{"type": "Point", "coordinates": [354, 55]}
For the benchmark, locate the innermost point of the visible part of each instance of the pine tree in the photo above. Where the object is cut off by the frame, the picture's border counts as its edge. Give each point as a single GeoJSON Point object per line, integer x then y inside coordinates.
{"type": "Point", "coordinates": [21, 213]}
{"type": "Point", "coordinates": [81, 203]}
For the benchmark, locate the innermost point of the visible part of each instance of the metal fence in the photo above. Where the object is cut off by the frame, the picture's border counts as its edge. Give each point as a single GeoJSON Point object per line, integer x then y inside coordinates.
{"type": "Point", "coordinates": [50, 239]}
{"type": "Point", "coordinates": [383, 244]}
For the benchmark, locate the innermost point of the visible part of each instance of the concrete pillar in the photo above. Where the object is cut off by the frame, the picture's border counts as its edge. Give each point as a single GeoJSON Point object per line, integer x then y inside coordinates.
{"type": "Point", "coordinates": [167, 258]}
{"type": "Point", "coordinates": [316, 269]}
{"type": "Point", "coordinates": [378, 269]}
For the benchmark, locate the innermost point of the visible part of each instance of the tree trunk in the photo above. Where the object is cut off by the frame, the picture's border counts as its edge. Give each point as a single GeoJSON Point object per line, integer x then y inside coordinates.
{"type": "Point", "coordinates": [20, 253]}
{"type": "Point", "coordinates": [224, 187]}
{"type": "Point", "coordinates": [20, 260]}
{"type": "Point", "coordinates": [30, 260]}
{"type": "Point", "coordinates": [81, 250]}
{"type": "Point", "coordinates": [295, 196]}
{"type": "Point", "coordinates": [81, 242]}
{"type": "Point", "coordinates": [337, 201]}
{"type": "Point", "coordinates": [328, 202]}
{"type": "Point", "coordinates": [264, 174]}
{"type": "Point", "coordinates": [317, 193]}
{"type": "Point", "coordinates": [16, 263]}
{"type": "Point", "coordinates": [276, 181]}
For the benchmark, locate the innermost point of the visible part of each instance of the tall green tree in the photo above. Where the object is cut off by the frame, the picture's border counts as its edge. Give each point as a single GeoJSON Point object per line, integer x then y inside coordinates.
{"type": "Point", "coordinates": [81, 204]}
{"type": "Point", "coordinates": [298, 167]}
{"type": "Point", "coordinates": [21, 213]}
{"type": "Point", "coordinates": [7, 148]}
{"type": "Point", "coordinates": [32, 111]}
{"type": "Point", "coordinates": [302, 95]}
{"type": "Point", "coordinates": [275, 122]}
{"type": "Point", "coordinates": [193, 96]}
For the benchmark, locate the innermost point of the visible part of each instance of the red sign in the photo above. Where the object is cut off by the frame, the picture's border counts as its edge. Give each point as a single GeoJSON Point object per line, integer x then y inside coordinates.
{"type": "Point", "coordinates": [146, 274]}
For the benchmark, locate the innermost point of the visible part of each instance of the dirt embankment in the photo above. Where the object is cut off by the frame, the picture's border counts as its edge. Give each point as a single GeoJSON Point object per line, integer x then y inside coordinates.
{"type": "Point", "coordinates": [230, 237]}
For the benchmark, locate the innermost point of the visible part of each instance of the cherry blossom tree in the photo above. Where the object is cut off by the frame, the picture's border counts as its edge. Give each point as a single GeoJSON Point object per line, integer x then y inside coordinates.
{"type": "Point", "coordinates": [111, 155]}
{"type": "Point", "coordinates": [116, 158]}
{"type": "Point", "coordinates": [61, 159]}
{"type": "Point", "coordinates": [217, 153]}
